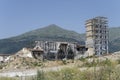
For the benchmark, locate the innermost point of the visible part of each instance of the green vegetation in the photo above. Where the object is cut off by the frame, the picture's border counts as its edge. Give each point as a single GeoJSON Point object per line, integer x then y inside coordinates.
{"type": "Point", "coordinates": [40, 75]}
{"type": "Point", "coordinates": [114, 38]}
{"type": "Point", "coordinates": [99, 70]}
{"type": "Point", "coordinates": [64, 62]}
{"type": "Point", "coordinates": [7, 78]}
{"type": "Point", "coordinates": [114, 33]}
{"type": "Point", "coordinates": [31, 62]}
{"type": "Point", "coordinates": [2, 65]}
{"type": "Point", "coordinates": [82, 59]}
{"type": "Point", "coordinates": [53, 33]}
{"type": "Point", "coordinates": [96, 70]}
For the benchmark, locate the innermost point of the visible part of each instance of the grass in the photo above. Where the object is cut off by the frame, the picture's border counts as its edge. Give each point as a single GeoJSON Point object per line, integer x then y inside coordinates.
{"type": "Point", "coordinates": [7, 78]}
{"type": "Point", "coordinates": [95, 70]}
{"type": "Point", "coordinates": [104, 70]}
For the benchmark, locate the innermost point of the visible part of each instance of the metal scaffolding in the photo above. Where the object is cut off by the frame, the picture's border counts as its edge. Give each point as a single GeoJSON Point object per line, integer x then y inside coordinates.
{"type": "Point", "coordinates": [97, 35]}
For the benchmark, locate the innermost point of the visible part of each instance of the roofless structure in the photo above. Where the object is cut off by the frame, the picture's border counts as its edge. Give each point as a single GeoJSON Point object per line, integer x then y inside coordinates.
{"type": "Point", "coordinates": [97, 35]}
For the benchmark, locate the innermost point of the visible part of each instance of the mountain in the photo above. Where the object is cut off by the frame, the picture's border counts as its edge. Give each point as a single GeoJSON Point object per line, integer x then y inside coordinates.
{"type": "Point", "coordinates": [114, 33]}
{"type": "Point", "coordinates": [53, 33]}
{"type": "Point", "coordinates": [114, 39]}
{"type": "Point", "coordinates": [50, 33]}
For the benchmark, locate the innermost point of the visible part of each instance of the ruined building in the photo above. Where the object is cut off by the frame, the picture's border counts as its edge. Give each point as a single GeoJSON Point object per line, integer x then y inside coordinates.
{"type": "Point", "coordinates": [96, 43]}
{"type": "Point", "coordinates": [97, 36]}
{"type": "Point", "coordinates": [53, 50]}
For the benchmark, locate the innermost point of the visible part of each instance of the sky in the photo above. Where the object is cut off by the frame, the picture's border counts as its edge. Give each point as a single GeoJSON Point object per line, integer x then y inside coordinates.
{"type": "Point", "coordinates": [20, 16]}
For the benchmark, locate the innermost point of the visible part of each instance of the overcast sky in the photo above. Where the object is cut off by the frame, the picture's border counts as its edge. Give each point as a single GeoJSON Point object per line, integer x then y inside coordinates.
{"type": "Point", "coordinates": [20, 16]}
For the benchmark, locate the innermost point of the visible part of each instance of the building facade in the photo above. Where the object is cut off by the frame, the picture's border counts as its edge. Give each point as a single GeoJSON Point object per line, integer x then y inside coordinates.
{"type": "Point", "coordinates": [54, 50]}
{"type": "Point", "coordinates": [97, 36]}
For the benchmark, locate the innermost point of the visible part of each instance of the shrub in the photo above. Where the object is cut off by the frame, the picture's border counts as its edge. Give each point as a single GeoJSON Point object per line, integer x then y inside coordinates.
{"type": "Point", "coordinates": [40, 75]}
{"type": "Point", "coordinates": [118, 61]}
{"type": "Point", "coordinates": [82, 59]}
{"type": "Point", "coordinates": [70, 74]}
{"type": "Point", "coordinates": [64, 61]}
{"type": "Point", "coordinates": [53, 75]}
{"type": "Point", "coordinates": [2, 65]}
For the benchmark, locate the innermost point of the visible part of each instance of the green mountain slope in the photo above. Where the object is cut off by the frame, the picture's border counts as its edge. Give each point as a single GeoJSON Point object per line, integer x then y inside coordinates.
{"type": "Point", "coordinates": [114, 33]}
{"type": "Point", "coordinates": [114, 39]}
{"type": "Point", "coordinates": [51, 33]}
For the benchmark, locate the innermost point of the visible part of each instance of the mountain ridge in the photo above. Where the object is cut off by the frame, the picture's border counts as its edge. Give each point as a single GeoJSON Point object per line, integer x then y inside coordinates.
{"type": "Point", "coordinates": [52, 33]}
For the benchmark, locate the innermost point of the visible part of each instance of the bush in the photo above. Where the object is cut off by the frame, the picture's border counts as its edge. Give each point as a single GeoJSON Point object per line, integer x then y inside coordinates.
{"type": "Point", "coordinates": [118, 61]}
{"type": "Point", "coordinates": [40, 75]}
{"type": "Point", "coordinates": [68, 74]}
{"type": "Point", "coordinates": [2, 65]}
{"type": "Point", "coordinates": [64, 61]}
{"type": "Point", "coordinates": [82, 59]}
